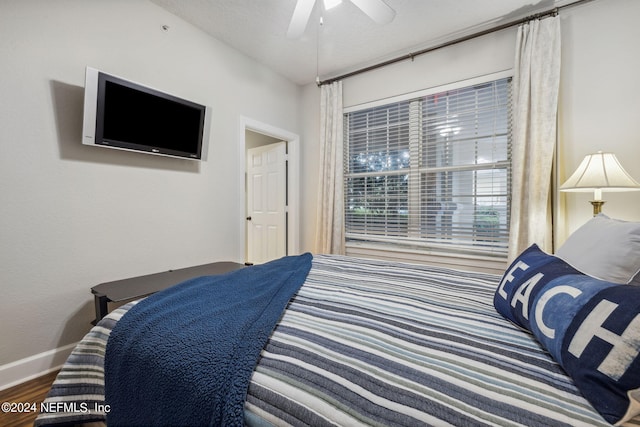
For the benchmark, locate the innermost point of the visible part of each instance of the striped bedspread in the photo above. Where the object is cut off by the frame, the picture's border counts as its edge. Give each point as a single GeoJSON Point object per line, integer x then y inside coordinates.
{"type": "Point", "coordinates": [376, 343]}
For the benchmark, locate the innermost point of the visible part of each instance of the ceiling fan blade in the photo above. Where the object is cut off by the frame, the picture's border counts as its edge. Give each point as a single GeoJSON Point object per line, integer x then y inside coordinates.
{"type": "Point", "coordinates": [300, 18]}
{"type": "Point", "coordinates": [377, 10]}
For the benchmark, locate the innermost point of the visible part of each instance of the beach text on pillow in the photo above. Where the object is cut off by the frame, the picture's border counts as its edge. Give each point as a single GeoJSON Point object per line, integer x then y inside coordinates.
{"type": "Point", "coordinates": [589, 326]}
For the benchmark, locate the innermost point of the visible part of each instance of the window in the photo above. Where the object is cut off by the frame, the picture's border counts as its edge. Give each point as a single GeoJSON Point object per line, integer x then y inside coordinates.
{"type": "Point", "coordinates": [433, 171]}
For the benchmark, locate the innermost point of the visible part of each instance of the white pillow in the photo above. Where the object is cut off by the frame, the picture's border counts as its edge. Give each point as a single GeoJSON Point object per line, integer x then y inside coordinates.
{"type": "Point", "coordinates": [605, 248]}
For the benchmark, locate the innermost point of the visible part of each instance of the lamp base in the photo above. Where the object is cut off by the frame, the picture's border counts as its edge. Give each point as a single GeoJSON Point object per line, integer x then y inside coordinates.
{"type": "Point", "coordinates": [597, 206]}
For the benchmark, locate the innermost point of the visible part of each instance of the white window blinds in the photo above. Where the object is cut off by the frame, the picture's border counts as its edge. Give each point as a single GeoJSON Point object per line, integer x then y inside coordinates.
{"type": "Point", "coordinates": [433, 171]}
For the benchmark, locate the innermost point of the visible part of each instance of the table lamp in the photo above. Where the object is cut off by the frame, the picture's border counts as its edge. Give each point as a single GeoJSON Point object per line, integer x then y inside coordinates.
{"type": "Point", "coordinates": [600, 172]}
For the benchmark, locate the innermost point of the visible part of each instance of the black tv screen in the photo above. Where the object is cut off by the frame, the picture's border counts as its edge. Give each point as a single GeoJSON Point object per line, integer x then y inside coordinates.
{"type": "Point", "coordinates": [131, 116]}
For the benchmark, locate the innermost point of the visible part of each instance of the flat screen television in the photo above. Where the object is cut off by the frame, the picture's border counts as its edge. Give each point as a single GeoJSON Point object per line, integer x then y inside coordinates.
{"type": "Point", "coordinates": [121, 114]}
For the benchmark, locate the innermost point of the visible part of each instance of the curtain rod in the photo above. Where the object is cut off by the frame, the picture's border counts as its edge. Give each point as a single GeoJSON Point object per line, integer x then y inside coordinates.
{"type": "Point", "coordinates": [412, 55]}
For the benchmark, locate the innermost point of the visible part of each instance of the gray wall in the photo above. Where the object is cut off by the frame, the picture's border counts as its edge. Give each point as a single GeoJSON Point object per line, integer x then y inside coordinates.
{"type": "Point", "coordinates": [73, 216]}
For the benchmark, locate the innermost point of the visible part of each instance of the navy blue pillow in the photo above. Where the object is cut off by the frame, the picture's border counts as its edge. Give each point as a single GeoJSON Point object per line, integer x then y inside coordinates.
{"type": "Point", "coordinates": [589, 326]}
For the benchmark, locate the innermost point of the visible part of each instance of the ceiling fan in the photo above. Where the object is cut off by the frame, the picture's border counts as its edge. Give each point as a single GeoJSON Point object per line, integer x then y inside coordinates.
{"type": "Point", "coordinates": [377, 10]}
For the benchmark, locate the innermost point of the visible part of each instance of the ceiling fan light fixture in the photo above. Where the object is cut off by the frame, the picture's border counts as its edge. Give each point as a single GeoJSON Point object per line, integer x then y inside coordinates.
{"type": "Point", "coordinates": [330, 4]}
{"type": "Point", "coordinates": [377, 10]}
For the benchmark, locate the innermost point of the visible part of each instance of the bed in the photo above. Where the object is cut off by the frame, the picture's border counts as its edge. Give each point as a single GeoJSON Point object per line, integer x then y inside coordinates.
{"type": "Point", "coordinates": [364, 342]}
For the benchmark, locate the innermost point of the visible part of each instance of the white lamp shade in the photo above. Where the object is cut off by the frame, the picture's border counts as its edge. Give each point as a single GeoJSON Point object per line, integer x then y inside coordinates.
{"type": "Point", "coordinates": [600, 171]}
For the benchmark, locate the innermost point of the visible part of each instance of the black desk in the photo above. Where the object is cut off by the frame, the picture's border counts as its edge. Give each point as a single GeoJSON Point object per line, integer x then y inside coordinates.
{"type": "Point", "coordinates": [138, 287]}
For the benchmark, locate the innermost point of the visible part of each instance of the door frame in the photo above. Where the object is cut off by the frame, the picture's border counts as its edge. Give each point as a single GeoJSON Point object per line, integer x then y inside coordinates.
{"type": "Point", "coordinates": [293, 181]}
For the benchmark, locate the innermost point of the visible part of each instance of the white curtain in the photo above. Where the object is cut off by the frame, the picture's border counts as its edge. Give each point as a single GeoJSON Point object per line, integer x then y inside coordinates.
{"type": "Point", "coordinates": [330, 219]}
{"type": "Point", "coordinates": [535, 90]}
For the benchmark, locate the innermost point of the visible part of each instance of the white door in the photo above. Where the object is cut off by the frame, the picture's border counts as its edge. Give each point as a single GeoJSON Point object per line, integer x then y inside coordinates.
{"type": "Point", "coordinates": [266, 203]}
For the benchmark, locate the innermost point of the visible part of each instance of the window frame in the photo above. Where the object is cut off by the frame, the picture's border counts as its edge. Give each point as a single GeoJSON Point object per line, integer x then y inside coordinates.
{"type": "Point", "coordinates": [385, 243]}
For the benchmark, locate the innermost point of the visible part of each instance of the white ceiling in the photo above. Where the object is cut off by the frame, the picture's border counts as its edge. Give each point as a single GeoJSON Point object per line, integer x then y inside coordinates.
{"type": "Point", "coordinates": [348, 39]}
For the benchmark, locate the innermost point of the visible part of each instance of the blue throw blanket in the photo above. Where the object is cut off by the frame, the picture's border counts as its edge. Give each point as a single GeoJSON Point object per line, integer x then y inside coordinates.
{"type": "Point", "coordinates": [185, 356]}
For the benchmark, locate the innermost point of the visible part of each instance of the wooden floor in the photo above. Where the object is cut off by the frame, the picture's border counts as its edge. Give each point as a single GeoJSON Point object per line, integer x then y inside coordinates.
{"type": "Point", "coordinates": [30, 392]}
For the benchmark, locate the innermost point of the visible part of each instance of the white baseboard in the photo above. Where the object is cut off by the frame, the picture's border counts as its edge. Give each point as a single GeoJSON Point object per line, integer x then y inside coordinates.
{"type": "Point", "coordinates": [31, 367]}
